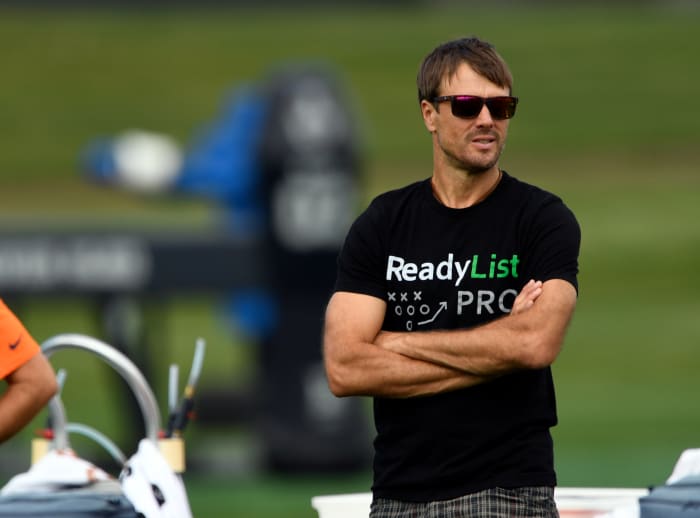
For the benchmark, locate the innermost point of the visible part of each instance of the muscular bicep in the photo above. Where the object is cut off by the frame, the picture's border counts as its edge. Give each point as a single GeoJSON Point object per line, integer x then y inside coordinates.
{"type": "Point", "coordinates": [352, 322]}
{"type": "Point", "coordinates": [353, 317]}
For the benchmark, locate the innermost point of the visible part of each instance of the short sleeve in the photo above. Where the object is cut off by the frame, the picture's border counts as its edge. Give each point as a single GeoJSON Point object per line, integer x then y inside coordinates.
{"type": "Point", "coordinates": [361, 259]}
{"type": "Point", "coordinates": [554, 240]}
{"type": "Point", "coordinates": [16, 345]}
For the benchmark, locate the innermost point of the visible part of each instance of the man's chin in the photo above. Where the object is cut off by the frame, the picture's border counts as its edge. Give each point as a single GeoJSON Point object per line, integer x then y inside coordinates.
{"type": "Point", "coordinates": [479, 168]}
{"type": "Point", "coordinates": [474, 165]}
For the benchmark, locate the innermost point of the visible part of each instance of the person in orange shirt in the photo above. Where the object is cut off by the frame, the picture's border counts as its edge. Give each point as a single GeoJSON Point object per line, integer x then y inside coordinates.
{"type": "Point", "coordinates": [30, 379]}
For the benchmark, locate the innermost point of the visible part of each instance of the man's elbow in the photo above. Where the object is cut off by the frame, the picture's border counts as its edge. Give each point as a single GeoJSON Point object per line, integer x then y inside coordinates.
{"type": "Point", "coordinates": [48, 389]}
{"type": "Point", "coordinates": [41, 393]}
{"type": "Point", "coordinates": [539, 353]}
{"type": "Point", "coordinates": [339, 390]}
{"type": "Point", "coordinates": [44, 380]}
{"type": "Point", "coordinates": [341, 370]}
{"type": "Point", "coordinates": [339, 381]}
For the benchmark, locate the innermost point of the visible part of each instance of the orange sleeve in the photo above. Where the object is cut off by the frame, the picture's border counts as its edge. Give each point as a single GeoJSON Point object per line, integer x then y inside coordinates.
{"type": "Point", "coordinates": [16, 345]}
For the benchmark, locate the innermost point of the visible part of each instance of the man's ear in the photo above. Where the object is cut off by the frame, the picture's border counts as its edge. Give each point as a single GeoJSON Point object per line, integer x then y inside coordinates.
{"type": "Point", "coordinates": [429, 113]}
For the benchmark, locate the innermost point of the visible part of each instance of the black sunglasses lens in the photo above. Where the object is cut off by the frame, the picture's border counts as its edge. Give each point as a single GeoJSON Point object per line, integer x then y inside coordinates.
{"type": "Point", "coordinates": [502, 107]}
{"type": "Point", "coordinates": [466, 106]}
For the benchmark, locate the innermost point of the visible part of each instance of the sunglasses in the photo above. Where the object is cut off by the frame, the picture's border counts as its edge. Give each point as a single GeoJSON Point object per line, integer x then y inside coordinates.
{"type": "Point", "coordinates": [469, 106]}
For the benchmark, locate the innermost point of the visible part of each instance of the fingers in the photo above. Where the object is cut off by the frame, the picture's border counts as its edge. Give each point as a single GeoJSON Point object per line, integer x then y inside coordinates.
{"type": "Point", "coordinates": [527, 296]}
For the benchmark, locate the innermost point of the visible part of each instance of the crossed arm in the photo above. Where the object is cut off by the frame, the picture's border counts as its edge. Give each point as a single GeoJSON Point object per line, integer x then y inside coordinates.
{"type": "Point", "coordinates": [361, 359]}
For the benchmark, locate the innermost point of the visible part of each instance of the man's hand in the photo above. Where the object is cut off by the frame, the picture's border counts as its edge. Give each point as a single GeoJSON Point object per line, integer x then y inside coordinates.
{"type": "Point", "coordinates": [527, 296]}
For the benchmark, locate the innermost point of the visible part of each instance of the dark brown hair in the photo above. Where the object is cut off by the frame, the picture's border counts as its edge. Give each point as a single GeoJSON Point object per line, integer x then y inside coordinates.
{"type": "Point", "coordinates": [444, 60]}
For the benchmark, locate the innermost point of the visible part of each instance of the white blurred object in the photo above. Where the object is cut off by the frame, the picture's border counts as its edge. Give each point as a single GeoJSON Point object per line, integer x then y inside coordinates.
{"type": "Point", "coordinates": [688, 464]}
{"type": "Point", "coordinates": [631, 510]}
{"type": "Point", "coordinates": [152, 487]}
{"type": "Point", "coordinates": [351, 505]}
{"type": "Point", "coordinates": [598, 502]}
{"type": "Point", "coordinates": [56, 471]}
{"type": "Point", "coordinates": [145, 161]}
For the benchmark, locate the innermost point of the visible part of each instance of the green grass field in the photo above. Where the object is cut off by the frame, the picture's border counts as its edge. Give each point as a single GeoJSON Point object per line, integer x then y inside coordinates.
{"type": "Point", "coordinates": [608, 119]}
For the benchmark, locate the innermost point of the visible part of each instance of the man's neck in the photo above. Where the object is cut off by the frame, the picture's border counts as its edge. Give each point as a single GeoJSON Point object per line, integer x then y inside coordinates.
{"type": "Point", "coordinates": [460, 189]}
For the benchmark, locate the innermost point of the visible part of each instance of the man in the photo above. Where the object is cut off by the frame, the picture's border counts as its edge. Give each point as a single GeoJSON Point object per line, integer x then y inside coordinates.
{"type": "Point", "coordinates": [452, 301]}
{"type": "Point", "coordinates": [31, 381]}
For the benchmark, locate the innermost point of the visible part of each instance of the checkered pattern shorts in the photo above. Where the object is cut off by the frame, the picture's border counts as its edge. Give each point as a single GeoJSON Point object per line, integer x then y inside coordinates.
{"type": "Point", "coordinates": [523, 502]}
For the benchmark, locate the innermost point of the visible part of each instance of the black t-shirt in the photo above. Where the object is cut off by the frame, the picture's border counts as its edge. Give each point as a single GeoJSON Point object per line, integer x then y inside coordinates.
{"type": "Point", "coordinates": [443, 268]}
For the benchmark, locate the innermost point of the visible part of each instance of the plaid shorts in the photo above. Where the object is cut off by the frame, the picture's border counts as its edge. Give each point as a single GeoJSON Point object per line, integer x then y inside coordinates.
{"type": "Point", "coordinates": [522, 502]}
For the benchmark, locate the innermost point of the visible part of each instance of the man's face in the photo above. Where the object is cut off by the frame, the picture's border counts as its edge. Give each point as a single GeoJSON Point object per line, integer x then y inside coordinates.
{"type": "Point", "coordinates": [472, 145]}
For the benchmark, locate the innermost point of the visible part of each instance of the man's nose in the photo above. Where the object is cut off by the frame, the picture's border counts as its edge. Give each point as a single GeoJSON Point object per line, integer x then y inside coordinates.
{"type": "Point", "coordinates": [484, 118]}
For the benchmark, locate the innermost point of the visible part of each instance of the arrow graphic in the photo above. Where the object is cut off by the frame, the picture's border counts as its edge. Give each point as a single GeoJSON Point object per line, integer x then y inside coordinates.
{"type": "Point", "coordinates": [443, 306]}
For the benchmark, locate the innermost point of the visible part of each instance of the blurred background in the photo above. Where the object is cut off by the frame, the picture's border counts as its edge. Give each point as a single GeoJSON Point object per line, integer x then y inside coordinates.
{"type": "Point", "coordinates": [608, 119]}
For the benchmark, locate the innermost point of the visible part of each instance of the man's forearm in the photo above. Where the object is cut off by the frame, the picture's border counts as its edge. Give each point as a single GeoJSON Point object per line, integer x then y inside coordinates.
{"type": "Point", "coordinates": [529, 339]}
{"type": "Point", "coordinates": [470, 351]}
{"type": "Point", "coordinates": [355, 366]}
{"type": "Point", "coordinates": [382, 373]}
